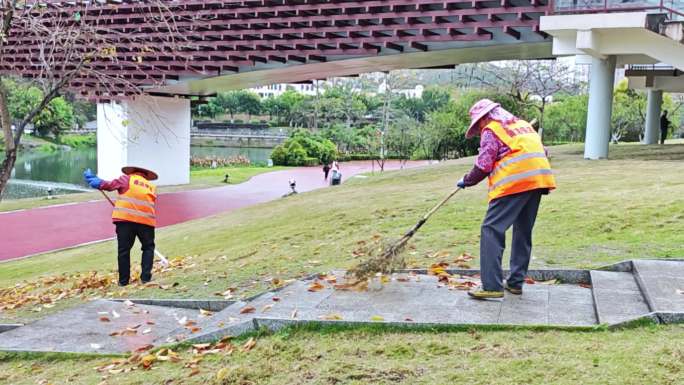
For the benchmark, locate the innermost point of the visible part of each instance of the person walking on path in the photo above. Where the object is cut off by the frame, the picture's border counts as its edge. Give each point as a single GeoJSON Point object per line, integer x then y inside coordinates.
{"type": "Point", "coordinates": [326, 170]}
{"type": "Point", "coordinates": [664, 127]}
{"type": "Point", "coordinates": [513, 158]}
{"type": "Point", "coordinates": [336, 177]}
{"type": "Point", "coordinates": [133, 215]}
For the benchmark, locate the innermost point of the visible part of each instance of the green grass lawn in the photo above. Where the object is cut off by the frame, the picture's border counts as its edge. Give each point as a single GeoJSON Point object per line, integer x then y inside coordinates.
{"type": "Point", "coordinates": [602, 212]}
{"type": "Point", "coordinates": [199, 178]}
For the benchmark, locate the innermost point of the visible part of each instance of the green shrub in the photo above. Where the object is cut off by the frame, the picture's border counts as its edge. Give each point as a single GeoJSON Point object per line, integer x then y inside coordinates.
{"type": "Point", "coordinates": [79, 141]}
{"type": "Point", "coordinates": [304, 149]}
{"type": "Point", "coordinates": [308, 161]}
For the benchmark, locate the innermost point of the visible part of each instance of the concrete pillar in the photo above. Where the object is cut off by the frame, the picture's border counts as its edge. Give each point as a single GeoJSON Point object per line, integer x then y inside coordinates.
{"type": "Point", "coordinates": [655, 101]}
{"type": "Point", "coordinates": [150, 132]}
{"type": "Point", "coordinates": [600, 108]}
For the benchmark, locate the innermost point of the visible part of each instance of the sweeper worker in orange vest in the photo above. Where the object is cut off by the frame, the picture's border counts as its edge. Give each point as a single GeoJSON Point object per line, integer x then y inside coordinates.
{"type": "Point", "coordinates": [514, 160]}
{"type": "Point", "coordinates": [133, 215]}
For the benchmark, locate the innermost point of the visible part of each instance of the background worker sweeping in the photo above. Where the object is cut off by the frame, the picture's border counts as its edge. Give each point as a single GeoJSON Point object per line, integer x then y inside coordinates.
{"type": "Point", "coordinates": [133, 215]}
{"type": "Point", "coordinates": [513, 157]}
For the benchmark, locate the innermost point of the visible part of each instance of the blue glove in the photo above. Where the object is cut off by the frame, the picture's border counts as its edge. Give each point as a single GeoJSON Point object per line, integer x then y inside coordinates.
{"type": "Point", "coordinates": [460, 183]}
{"type": "Point", "coordinates": [87, 174]}
{"type": "Point", "coordinates": [92, 179]}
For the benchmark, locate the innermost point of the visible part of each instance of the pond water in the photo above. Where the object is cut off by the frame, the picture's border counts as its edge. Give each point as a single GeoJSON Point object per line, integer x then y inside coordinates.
{"type": "Point", "coordinates": [62, 171]}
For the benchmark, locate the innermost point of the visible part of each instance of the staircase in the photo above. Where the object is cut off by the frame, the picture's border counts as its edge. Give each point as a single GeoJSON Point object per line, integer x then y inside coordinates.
{"type": "Point", "coordinates": [639, 289]}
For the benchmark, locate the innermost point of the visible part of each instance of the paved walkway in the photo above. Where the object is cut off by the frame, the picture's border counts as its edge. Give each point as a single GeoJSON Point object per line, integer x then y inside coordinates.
{"type": "Point", "coordinates": [633, 290]}
{"type": "Point", "coordinates": [49, 228]}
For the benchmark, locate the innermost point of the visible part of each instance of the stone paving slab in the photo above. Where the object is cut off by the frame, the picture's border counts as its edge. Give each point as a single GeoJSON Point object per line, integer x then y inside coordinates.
{"type": "Point", "coordinates": [662, 283]}
{"type": "Point", "coordinates": [617, 297]}
{"type": "Point", "coordinates": [80, 330]}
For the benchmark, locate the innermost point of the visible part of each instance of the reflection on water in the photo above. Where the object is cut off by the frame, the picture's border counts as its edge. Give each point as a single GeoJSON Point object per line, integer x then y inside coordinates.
{"type": "Point", "coordinates": [34, 170]}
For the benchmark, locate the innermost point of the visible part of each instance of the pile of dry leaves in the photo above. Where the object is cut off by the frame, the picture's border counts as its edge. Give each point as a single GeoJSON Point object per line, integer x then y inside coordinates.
{"type": "Point", "coordinates": [44, 292]}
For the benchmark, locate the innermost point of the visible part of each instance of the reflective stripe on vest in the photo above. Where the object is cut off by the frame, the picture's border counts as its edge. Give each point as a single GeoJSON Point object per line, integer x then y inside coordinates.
{"type": "Point", "coordinates": [136, 201]}
{"type": "Point", "coordinates": [137, 204]}
{"type": "Point", "coordinates": [525, 167]}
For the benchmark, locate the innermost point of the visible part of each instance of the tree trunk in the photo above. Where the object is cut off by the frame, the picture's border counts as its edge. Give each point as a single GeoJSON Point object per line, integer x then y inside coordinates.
{"type": "Point", "coordinates": [10, 144]}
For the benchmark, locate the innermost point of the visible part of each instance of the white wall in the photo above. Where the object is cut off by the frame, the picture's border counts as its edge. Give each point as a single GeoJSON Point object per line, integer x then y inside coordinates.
{"type": "Point", "coordinates": [150, 132]}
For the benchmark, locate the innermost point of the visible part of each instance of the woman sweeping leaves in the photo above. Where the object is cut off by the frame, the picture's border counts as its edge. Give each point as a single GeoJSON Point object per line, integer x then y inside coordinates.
{"type": "Point", "coordinates": [513, 158]}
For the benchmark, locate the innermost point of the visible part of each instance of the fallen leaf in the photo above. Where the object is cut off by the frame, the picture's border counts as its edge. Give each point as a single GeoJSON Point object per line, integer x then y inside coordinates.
{"type": "Point", "coordinates": [183, 320]}
{"type": "Point", "coordinates": [549, 282]}
{"type": "Point", "coordinates": [147, 361]}
{"type": "Point", "coordinates": [129, 303]}
{"type": "Point", "coordinates": [585, 285]}
{"type": "Point", "coordinates": [529, 281]}
{"type": "Point", "coordinates": [194, 372]}
{"type": "Point", "coordinates": [147, 331]}
{"type": "Point", "coordinates": [115, 314]}
{"type": "Point", "coordinates": [275, 299]}
{"type": "Point", "coordinates": [680, 291]}
{"type": "Point", "coordinates": [104, 319]}
{"type": "Point", "coordinates": [407, 319]}
{"type": "Point", "coordinates": [331, 317]}
{"type": "Point", "coordinates": [249, 345]}
{"type": "Point", "coordinates": [206, 313]}
{"type": "Point", "coordinates": [149, 322]}
{"type": "Point", "coordinates": [316, 286]}
{"type": "Point", "coordinates": [221, 374]}
{"type": "Point", "coordinates": [294, 314]}
{"type": "Point", "coordinates": [266, 308]}
{"type": "Point", "coordinates": [377, 318]}
{"type": "Point", "coordinates": [95, 346]}
{"type": "Point", "coordinates": [201, 346]}
{"type": "Point", "coordinates": [247, 309]}
{"type": "Point", "coordinates": [144, 348]}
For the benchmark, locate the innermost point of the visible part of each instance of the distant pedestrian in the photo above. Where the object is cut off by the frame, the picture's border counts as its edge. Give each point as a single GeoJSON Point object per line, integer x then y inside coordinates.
{"type": "Point", "coordinates": [664, 127]}
{"type": "Point", "coordinates": [513, 158]}
{"type": "Point", "coordinates": [326, 170]}
{"type": "Point", "coordinates": [336, 177]}
{"type": "Point", "coordinates": [133, 215]}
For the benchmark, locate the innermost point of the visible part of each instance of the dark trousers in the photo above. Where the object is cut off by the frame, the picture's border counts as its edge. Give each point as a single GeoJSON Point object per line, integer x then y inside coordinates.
{"type": "Point", "coordinates": [126, 232]}
{"type": "Point", "coordinates": [519, 211]}
{"type": "Point", "coordinates": [663, 136]}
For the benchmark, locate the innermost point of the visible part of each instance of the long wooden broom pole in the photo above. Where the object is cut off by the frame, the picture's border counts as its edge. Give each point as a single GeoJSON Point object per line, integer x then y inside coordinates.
{"type": "Point", "coordinates": [164, 261]}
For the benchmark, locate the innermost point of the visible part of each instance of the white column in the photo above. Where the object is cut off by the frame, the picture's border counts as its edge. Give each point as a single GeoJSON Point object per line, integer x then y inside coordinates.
{"type": "Point", "coordinates": [600, 108]}
{"type": "Point", "coordinates": [150, 132]}
{"type": "Point", "coordinates": [655, 101]}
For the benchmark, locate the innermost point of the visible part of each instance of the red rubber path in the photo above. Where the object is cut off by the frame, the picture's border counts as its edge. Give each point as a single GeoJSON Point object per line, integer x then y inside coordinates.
{"type": "Point", "coordinates": [39, 230]}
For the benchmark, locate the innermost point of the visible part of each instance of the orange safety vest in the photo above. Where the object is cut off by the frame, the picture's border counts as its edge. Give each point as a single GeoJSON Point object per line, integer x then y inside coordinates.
{"type": "Point", "coordinates": [137, 204]}
{"type": "Point", "coordinates": [525, 167]}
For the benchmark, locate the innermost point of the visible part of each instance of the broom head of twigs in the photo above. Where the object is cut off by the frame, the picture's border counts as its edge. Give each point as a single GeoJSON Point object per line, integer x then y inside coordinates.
{"type": "Point", "coordinates": [383, 259]}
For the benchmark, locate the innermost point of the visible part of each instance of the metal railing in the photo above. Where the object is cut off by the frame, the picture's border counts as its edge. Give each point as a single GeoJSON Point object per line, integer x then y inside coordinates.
{"type": "Point", "coordinates": [673, 8]}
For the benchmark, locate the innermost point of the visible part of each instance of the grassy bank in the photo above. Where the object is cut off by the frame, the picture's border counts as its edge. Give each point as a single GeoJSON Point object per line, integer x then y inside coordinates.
{"type": "Point", "coordinates": [199, 178]}
{"type": "Point", "coordinates": [602, 212]}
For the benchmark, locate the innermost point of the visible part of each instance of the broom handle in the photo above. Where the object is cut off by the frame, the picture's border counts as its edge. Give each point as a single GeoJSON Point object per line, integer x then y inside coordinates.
{"type": "Point", "coordinates": [107, 197]}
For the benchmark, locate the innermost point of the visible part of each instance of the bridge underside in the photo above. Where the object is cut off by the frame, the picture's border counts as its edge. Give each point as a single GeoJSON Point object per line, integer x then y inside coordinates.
{"type": "Point", "coordinates": [296, 73]}
{"type": "Point", "coordinates": [203, 46]}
